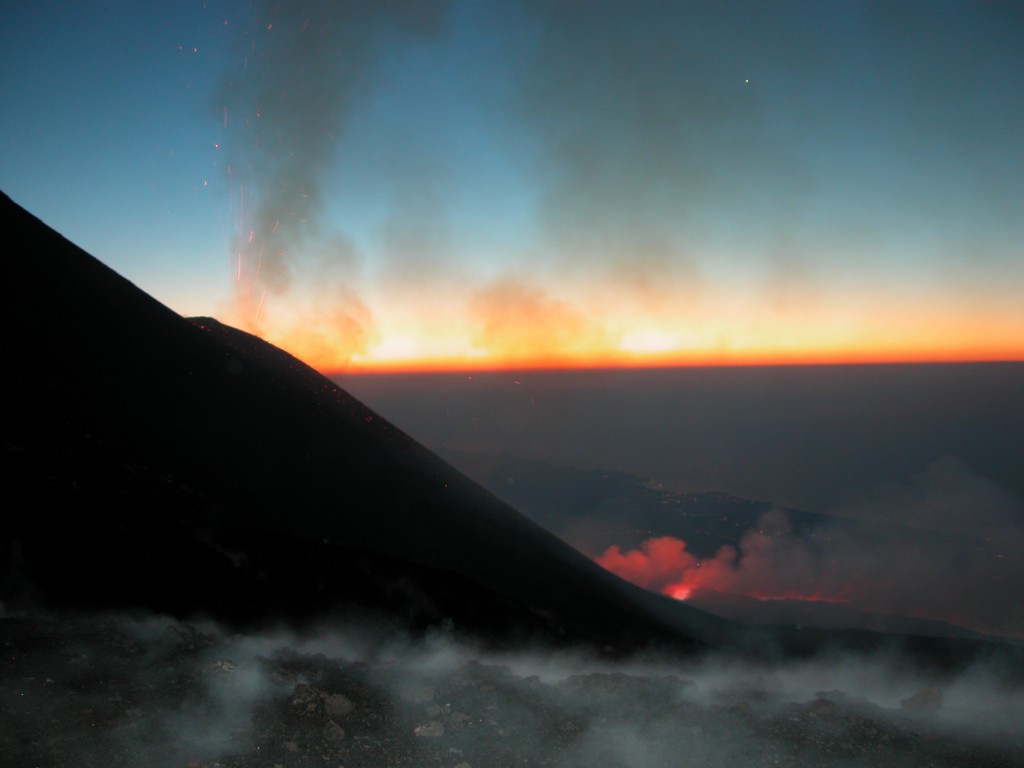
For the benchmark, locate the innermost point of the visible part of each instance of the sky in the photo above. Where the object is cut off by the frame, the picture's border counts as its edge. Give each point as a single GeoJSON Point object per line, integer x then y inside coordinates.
{"type": "Point", "coordinates": [472, 184]}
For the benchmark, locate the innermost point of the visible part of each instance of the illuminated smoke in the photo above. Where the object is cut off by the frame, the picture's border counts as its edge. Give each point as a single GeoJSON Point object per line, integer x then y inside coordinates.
{"type": "Point", "coordinates": [645, 134]}
{"type": "Point", "coordinates": [945, 547]}
{"type": "Point", "coordinates": [517, 320]}
{"type": "Point", "coordinates": [770, 562]}
{"type": "Point", "coordinates": [301, 69]}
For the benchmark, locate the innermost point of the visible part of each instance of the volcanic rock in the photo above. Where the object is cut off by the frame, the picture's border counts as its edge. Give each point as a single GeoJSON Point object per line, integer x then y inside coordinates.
{"type": "Point", "coordinates": [338, 705]}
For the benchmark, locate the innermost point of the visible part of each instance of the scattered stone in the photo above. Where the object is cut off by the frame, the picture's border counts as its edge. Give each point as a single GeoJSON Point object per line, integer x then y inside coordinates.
{"type": "Point", "coordinates": [304, 695]}
{"type": "Point", "coordinates": [430, 729]}
{"type": "Point", "coordinates": [333, 731]}
{"type": "Point", "coordinates": [338, 705]}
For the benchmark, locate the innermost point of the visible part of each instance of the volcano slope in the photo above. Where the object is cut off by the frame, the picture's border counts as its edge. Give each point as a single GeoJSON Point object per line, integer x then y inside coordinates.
{"type": "Point", "coordinates": [188, 468]}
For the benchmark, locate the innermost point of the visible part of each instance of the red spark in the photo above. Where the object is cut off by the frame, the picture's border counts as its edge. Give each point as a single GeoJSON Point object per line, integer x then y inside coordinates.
{"type": "Point", "coordinates": [259, 307]}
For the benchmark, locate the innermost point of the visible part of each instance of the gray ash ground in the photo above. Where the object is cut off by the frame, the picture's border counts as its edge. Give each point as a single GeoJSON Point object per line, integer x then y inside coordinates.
{"type": "Point", "coordinates": [112, 691]}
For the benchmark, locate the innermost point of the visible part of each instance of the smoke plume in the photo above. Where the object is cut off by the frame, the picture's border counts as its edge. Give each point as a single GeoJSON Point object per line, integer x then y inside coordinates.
{"type": "Point", "coordinates": [302, 69]}
{"type": "Point", "coordinates": [519, 321]}
{"type": "Point", "coordinates": [945, 546]}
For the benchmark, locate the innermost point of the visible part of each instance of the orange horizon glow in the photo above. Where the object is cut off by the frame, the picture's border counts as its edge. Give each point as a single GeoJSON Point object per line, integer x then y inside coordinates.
{"type": "Point", "coordinates": [518, 323]}
{"type": "Point", "coordinates": [512, 327]}
{"type": "Point", "coordinates": [682, 359]}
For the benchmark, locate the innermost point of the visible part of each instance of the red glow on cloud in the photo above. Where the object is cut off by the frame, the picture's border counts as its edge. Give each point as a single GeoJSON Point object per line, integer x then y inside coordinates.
{"type": "Point", "coordinates": [664, 565]}
{"type": "Point", "coordinates": [659, 565]}
{"type": "Point", "coordinates": [873, 570]}
{"type": "Point", "coordinates": [769, 564]}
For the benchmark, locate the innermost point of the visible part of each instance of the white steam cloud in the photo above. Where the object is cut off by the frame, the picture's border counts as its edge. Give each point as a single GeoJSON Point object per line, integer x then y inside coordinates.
{"type": "Point", "coordinates": [167, 694]}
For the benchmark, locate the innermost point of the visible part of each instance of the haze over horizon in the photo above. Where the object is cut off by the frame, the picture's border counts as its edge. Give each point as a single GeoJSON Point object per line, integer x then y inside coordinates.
{"type": "Point", "coordinates": [912, 472]}
{"type": "Point", "coordinates": [465, 185]}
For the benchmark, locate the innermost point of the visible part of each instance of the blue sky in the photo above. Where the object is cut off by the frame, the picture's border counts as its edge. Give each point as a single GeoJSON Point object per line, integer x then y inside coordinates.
{"type": "Point", "coordinates": [108, 137]}
{"type": "Point", "coordinates": [553, 181]}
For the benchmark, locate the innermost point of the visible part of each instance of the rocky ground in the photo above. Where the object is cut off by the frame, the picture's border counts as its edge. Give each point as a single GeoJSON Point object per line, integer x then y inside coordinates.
{"type": "Point", "coordinates": [113, 691]}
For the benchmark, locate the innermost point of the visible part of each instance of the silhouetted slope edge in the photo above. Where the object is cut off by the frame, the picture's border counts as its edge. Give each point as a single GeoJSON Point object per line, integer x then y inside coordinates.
{"type": "Point", "coordinates": [192, 467]}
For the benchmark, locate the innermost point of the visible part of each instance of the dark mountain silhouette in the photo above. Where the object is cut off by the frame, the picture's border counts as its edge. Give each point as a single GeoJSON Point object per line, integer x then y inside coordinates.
{"type": "Point", "coordinates": [190, 468]}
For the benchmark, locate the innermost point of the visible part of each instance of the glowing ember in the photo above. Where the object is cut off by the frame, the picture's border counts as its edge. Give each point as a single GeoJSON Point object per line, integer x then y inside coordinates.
{"type": "Point", "coordinates": [680, 593]}
{"type": "Point", "coordinates": [765, 567]}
